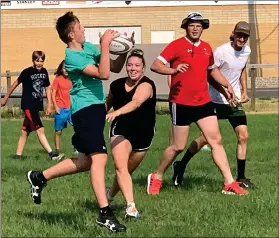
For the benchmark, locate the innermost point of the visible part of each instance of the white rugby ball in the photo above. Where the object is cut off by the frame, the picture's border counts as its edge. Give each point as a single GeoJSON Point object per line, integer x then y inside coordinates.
{"type": "Point", "coordinates": [120, 45]}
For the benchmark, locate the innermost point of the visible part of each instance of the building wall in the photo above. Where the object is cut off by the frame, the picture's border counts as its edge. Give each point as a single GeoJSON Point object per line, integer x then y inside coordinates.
{"type": "Point", "coordinates": [24, 31]}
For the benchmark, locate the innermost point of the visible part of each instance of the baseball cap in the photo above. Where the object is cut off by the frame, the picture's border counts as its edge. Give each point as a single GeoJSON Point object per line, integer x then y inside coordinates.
{"type": "Point", "coordinates": [242, 27]}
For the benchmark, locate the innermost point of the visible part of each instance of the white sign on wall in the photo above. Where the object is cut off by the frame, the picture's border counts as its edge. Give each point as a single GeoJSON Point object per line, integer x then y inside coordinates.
{"type": "Point", "coordinates": [97, 4]}
{"type": "Point", "coordinates": [162, 37]}
{"type": "Point", "coordinates": [92, 33]}
{"type": "Point", "coordinates": [50, 3]}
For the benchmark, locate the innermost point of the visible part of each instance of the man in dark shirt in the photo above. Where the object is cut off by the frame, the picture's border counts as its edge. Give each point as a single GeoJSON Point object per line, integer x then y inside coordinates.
{"type": "Point", "coordinates": [34, 79]}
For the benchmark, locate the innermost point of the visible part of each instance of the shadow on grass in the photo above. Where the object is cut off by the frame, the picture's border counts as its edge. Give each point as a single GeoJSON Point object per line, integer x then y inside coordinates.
{"type": "Point", "coordinates": [201, 183]}
{"type": "Point", "coordinates": [41, 156]}
{"type": "Point", "coordinates": [67, 218]}
{"type": "Point", "coordinates": [12, 157]}
{"type": "Point", "coordinates": [93, 206]}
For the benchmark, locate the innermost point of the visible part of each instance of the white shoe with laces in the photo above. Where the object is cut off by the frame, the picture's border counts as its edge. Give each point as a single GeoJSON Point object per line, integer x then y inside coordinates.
{"type": "Point", "coordinates": [131, 211]}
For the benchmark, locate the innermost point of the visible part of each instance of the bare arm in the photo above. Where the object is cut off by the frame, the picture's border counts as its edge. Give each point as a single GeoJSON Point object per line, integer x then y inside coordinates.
{"type": "Point", "coordinates": [216, 75]}
{"type": "Point", "coordinates": [169, 81]}
{"type": "Point", "coordinates": [243, 82]}
{"type": "Point", "coordinates": [217, 86]}
{"type": "Point", "coordinates": [109, 101]}
{"type": "Point", "coordinates": [103, 71]}
{"type": "Point", "coordinates": [159, 67]}
{"type": "Point", "coordinates": [143, 93]}
{"type": "Point", "coordinates": [53, 97]}
{"type": "Point", "coordinates": [48, 95]}
{"type": "Point", "coordinates": [10, 91]}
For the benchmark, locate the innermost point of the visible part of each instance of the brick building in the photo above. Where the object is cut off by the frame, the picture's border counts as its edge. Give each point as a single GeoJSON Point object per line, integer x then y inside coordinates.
{"type": "Point", "coordinates": [25, 30]}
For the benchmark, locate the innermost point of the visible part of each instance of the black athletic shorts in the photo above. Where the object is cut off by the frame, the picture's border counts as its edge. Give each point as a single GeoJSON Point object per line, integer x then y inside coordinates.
{"type": "Point", "coordinates": [88, 124]}
{"type": "Point", "coordinates": [32, 120]}
{"type": "Point", "coordinates": [183, 115]}
{"type": "Point", "coordinates": [140, 138]}
{"type": "Point", "coordinates": [235, 115]}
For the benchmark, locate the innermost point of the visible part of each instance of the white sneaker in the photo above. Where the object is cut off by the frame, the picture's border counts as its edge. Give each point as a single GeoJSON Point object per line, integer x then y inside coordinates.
{"type": "Point", "coordinates": [132, 212]}
{"type": "Point", "coordinates": [206, 148]}
{"type": "Point", "coordinates": [57, 157]}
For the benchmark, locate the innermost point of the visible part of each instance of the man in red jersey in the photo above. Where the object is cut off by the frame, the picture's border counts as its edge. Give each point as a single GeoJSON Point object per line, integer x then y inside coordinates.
{"type": "Point", "coordinates": [191, 62]}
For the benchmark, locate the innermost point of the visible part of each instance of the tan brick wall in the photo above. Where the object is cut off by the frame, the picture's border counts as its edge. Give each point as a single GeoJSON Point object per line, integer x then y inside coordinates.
{"type": "Point", "coordinates": [26, 30]}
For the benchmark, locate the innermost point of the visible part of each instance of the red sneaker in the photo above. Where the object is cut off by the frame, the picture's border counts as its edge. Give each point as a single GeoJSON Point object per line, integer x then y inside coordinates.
{"type": "Point", "coordinates": [153, 185]}
{"type": "Point", "coordinates": [234, 189]}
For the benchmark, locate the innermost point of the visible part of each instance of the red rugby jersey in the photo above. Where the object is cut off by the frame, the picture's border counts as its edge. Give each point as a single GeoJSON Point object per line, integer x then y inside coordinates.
{"type": "Point", "coordinates": [189, 88]}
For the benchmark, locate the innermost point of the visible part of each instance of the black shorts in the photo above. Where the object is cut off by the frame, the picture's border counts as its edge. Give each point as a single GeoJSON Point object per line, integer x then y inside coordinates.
{"type": "Point", "coordinates": [32, 120]}
{"type": "Point", "coordinates": [235, 115]}
{"type": "Point", "coordinates": [140, 139]}
{"type": "Point", "coordinates": [88, 124]}
{"type": "Point", "coordinates": [183, 115]}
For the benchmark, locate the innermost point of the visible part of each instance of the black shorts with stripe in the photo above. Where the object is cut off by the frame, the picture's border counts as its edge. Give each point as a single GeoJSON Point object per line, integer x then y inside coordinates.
{"type": "Point", "coordinates": [32, 120]}
{"type": "Point", "coordinates": [140, 137]}
{"type": "Point", "coordinates": [184, 115]}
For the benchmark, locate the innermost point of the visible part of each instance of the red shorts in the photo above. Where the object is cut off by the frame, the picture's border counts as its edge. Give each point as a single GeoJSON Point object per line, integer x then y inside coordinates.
{"type": "Point", "coordinates": [32, 120]}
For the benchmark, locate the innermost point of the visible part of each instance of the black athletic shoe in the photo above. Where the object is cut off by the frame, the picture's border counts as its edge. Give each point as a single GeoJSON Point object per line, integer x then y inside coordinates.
{"type": "Point", "coordinates": [178, 172]}
{"type": "Point", "coordinates": [109, 221]}
{"type": "Point", "coordinates": [17, 157]}
{"type": "Point", "coordinates": [245, 183]}
{"type": "Point", "coordinates": [36, 186]}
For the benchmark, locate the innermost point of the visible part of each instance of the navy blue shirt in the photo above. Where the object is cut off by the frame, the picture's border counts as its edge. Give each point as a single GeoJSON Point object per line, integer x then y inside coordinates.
{"type": "Point", "coordinates": [33, 83]}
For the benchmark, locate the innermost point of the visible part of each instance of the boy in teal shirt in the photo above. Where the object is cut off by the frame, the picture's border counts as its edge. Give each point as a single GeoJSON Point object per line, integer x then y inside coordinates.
{"type": "Point", "coordinates": [86, 66]}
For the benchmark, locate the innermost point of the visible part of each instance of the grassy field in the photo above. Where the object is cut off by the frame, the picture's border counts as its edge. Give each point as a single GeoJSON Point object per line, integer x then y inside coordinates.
{"type": "Point", "coordinates": [198, 209]}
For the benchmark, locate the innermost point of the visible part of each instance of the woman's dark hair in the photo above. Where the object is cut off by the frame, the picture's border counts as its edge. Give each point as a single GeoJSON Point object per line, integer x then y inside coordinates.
{"type": "Point", "coordinates": [138, 53]}
{"type": "Point", "coordinates": [59, 70]}
{"type": "Point", "coordinates": [231, 37]}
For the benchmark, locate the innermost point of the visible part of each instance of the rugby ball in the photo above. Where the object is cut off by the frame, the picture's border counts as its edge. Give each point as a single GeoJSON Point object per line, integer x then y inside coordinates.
{"type": "Point", "coordinates": [120, 45]}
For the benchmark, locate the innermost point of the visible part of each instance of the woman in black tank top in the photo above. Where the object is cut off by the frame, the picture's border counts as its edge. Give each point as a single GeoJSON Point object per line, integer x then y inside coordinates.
{"type": "Point", "coordinates": [133, 99]}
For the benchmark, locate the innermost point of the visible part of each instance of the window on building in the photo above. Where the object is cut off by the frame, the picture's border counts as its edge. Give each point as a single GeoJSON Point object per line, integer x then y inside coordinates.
{"type": "Point", "coordinates": [92, 33]}
{"type": "Point", "coordinates": [162, 37]}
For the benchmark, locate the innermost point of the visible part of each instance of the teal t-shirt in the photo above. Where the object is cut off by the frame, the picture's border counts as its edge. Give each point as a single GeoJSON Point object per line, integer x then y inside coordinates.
{"type": "Point", "coordinates": [86, 90]}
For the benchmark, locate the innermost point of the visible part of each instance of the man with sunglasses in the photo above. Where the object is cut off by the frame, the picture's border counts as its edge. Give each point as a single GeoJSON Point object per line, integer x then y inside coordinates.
{"type": "Point", "coordinates": [231, 59]}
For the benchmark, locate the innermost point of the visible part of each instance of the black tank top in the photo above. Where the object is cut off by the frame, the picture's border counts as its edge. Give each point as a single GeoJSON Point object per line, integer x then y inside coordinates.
{"type": "Point", "coordinates": [145, 115]}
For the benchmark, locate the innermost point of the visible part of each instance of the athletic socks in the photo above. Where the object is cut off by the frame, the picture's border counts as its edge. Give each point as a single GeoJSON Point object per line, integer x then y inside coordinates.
{"type": "Point", "coordinates": [186, 158]}
{"type": "Point", "coordinates": [105, 211]}
{"type": "Point", "coordinates": [240, 168]}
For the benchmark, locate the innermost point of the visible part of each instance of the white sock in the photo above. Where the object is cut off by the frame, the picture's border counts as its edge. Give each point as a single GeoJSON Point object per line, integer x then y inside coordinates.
{"type": "Point", "coordinates": [131, 204]}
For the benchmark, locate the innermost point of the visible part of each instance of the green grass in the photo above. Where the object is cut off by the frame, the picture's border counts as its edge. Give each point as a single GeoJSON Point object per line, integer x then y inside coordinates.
{"type": "Point", "coordinates": [197, 209]}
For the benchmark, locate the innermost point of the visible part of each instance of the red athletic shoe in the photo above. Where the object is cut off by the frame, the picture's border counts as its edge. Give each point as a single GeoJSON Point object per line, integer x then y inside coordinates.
{"type": "Point", "coordinates": [153, 185]}
{"type": "Point", "coordinates": [234, 189]}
